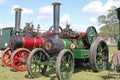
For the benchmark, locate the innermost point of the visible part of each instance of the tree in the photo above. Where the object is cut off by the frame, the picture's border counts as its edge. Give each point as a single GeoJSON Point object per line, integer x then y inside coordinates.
{"type": "Point", "coordinates": [110, 27]}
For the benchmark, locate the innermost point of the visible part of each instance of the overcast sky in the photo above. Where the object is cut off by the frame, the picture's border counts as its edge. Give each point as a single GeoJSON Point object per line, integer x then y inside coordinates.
{"type": "Point", "coordinates": [80, 14]}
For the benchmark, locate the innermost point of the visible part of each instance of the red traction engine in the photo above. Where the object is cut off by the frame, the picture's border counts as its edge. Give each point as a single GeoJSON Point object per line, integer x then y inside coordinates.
{"type": "Point", "coordinates": [20, 45]}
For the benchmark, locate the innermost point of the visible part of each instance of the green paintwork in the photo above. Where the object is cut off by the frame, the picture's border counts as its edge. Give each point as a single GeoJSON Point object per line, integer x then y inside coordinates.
{"type": "Point", "coordinates": [91, 34]}
{"type": "Point", "coordinates": [119, 43]}
{"type": "Point", "coordinates": [79, 53]}
{"type": "Point", "coordinates": [51, 62]}
{"type": "Point", "coordinates": [78, 44]}
{"type": "Point", "coordinates": [67, 43]}
{"type": "Point", "coordinates": [5, 35]}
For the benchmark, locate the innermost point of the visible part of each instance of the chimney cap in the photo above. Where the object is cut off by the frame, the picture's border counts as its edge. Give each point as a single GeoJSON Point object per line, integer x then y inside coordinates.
{"type": "Point", "coordinates": [56, 3]}
{"type": "Point", "coordinates": [18, 9]}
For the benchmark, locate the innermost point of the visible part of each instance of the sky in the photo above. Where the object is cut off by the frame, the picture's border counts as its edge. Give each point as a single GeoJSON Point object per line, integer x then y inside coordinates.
{"type": "Point", "coordinates": [80, 14]}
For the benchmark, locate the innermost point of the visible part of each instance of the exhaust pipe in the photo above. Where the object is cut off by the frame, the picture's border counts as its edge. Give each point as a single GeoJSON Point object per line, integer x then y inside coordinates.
{"type": "Point", "coordinates": [56, 11]}
{"type": "Point", "coordinates": [17, 20]}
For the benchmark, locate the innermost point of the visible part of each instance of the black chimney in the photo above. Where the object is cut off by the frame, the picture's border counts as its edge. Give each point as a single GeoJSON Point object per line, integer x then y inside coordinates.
{"type": "Point", "coordinates": [56, 10]}
{"type": "Point", "coordinates": [17, 19]}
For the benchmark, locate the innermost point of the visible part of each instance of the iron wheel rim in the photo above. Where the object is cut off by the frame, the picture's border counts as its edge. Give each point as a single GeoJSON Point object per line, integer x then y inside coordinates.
{"type": "Point", "coordinates": [99, 55]}
{"type": "Point", "coordinates": [37, 63]}
{"type": "Point", "coordinates": [65, 65]}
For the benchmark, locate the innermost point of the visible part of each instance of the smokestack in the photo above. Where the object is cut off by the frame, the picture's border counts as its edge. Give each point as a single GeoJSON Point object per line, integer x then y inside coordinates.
{"type": "Point", "coordinates": [56, 10]}
{"type": "Point", "coordinates": [17, 19]}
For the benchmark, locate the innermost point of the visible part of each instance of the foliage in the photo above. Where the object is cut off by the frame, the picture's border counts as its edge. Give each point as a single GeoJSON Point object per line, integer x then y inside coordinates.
{"type": "Point", "coordinates": [110, 26]}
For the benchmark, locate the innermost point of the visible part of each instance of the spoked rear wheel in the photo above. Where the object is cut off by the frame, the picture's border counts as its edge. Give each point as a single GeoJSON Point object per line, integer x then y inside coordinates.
{"type": "Point", "coordinates": [91, 34]}
{"type": "Point", "coordinates": [65, 65]}
{"type": "Point", "coordinates": [19, 59]}
{"type": "Point", "coordinates": [37, 62]}
{"type": "Point", "coordinates": [99, 55]}
{"type": "Point", "coordinates": [5, 58]}
{"type": "Point", "coordinates": [51, 31]}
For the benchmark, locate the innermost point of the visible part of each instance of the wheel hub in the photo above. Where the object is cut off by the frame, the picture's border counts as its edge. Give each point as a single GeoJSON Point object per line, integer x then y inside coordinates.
{"type": "Point", "coordinates": [67, 65]}
{"type": "Point", "coordinates": [23, 60]}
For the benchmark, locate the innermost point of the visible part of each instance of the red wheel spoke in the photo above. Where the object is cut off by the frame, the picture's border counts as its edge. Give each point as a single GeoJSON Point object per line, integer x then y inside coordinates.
{"type": "Point", "coordinates": [6, 57]}
{"type": "Point", "coordinates": [8, 61]}
{"type": "Point", "coordinates": [19, 63]}
{"type": "Point", "coordinates": [18, 54]}
{"type": "Point", "coordinates": [15, 61]}
{"type": "Point", "coordinates": [19, 59]}
{"type": "Point", "coordinates": [16, 57]}
{"type": "Point", "coordinates": [25, 55]}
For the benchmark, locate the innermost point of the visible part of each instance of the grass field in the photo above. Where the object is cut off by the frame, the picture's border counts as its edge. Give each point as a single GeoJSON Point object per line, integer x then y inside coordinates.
{"type": "Point", "coordinates": [7, 73]}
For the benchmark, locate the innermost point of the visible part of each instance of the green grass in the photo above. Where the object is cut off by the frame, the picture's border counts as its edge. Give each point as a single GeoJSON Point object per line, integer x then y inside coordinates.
{"type": "Point", "coordinates": [7, 73]}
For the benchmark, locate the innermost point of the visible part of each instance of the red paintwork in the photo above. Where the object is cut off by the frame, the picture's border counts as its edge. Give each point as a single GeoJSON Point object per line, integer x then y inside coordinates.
{"type": "Point", "coordinates": [33, 42]}
{"type": "Point", "coordinates": [86, 54]}
{"type": "Point", "coordinates": [83, 34]}
{"type": "Point", "coordinates": [19, 60]}
{"type": "Point", "coordinates": [6, 57]}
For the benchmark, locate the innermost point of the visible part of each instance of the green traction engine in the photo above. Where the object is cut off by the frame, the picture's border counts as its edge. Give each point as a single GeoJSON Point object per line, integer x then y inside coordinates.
{"type": "Point", "coordinates": [67, 49]}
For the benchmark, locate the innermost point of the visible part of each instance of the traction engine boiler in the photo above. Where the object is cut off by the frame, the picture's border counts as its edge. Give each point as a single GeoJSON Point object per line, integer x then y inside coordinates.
{"type": "Point", "coordinates": [21, 43]}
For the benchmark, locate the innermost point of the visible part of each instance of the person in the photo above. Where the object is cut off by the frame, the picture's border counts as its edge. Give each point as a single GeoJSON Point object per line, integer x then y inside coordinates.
{"type": "Point", "coordinates": [38, 31]}
{"type": "Point", "coordinates": [28, 30]}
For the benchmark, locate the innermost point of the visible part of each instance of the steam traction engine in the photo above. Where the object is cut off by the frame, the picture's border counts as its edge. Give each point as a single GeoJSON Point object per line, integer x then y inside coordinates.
{"type": "Point", "coordinates": [66, 48]}
{"type": "Point", "coordinates": [20, 44]}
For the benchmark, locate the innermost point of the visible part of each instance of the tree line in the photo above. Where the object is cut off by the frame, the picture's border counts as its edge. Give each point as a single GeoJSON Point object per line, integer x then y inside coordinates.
{"type": "Point", "coordinates": [109, 24]}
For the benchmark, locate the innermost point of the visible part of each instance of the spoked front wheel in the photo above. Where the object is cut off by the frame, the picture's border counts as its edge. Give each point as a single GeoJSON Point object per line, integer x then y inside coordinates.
{"type": "Point", "coordinates": [19, 59]}
{"type": "Point", "coordinates": [37, 62]}
{"type": "Point", "coordinates": [5, 58]}
{"type": "Point", "coordinates": [65, 65]}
